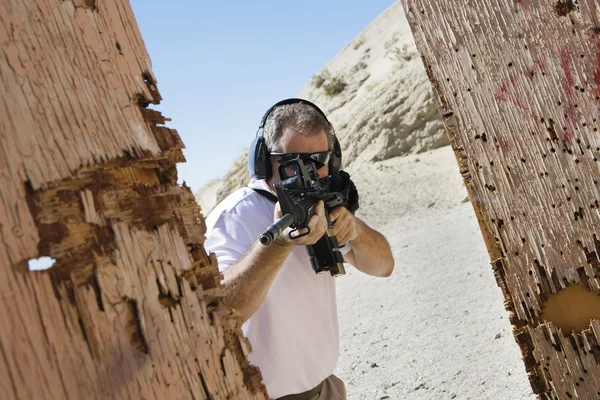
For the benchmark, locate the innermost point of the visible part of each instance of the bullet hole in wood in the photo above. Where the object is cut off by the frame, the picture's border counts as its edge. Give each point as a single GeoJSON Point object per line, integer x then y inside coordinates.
{"type": "Point", "coordinates": [483, 137]}
{"type": "Point", "coordinates": [118, 45]}
{"type": "Point", "coordinates": [510, 64]}
{"type": "Point", "coordinates": [491, 188]}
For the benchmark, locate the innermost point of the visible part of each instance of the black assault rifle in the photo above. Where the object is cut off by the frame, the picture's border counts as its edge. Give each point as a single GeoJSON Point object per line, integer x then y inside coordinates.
{"type": "Point", "coordinates": [298, 193]}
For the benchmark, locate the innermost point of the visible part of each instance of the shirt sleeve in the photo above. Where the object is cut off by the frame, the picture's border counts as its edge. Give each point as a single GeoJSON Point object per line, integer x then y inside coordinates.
{"type": "Point", "coordinates": [229, 240]}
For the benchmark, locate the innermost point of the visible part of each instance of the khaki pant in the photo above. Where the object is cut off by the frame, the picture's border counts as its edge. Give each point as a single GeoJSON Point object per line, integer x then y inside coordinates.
{"type": "Point", "coordinates": [333, 389]}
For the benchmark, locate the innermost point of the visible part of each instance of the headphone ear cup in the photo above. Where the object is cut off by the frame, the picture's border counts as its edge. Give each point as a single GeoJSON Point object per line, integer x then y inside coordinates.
{"type": "Point", "coordinates": [259, 163]}
{"type": "Point", "coordinates": [335, 164]}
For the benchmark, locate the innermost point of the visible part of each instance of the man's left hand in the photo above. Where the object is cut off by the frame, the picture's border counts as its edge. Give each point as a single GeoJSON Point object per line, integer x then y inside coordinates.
{"type": "Point", "coordinates": [345, 225]}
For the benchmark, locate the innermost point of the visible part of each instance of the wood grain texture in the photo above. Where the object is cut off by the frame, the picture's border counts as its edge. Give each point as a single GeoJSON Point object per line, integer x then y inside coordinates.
{"type": "Point", "coordinates": [518, 86]}
{"type": "Point", "coordinates": [132, 307]}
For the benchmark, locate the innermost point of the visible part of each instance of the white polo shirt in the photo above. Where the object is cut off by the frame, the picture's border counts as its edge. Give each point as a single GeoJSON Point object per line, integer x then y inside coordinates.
{"type": "Point", "coordinates": [294, 333]}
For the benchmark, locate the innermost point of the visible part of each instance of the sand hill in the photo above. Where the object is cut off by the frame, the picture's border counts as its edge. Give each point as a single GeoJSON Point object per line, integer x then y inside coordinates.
{"type": "Point", "coordinates": [376, 94]}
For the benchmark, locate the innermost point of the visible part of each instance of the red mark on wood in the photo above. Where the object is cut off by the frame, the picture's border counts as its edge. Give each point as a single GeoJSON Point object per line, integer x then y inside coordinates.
{"type": "Point", "coordinates": [505, 90]}
{"type": "Point", "coordinates": [537, 67]}
{"type": "Point", "coordinates": [565, 63]}
{"type": "Point", "coordinates": [504, 142]}
{"type": "Point", "coordinates": [594, 36]}
{"type": "Point", "coordinates": [570, 120]}
{"type": "Point", "coordinates": [570, 128]}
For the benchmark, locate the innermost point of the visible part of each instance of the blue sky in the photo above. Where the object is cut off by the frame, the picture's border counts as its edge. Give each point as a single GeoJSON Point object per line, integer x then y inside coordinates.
{"type": "Point", "coordinates": [221, 64]}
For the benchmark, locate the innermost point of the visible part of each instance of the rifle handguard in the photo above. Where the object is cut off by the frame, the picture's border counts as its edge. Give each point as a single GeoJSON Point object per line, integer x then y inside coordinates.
{"type": "Point", "coordinates": [276, 229]}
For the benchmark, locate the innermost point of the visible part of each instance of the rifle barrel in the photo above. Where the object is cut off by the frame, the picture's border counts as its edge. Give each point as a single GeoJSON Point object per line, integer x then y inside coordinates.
{"type": "Point", "coordinates": [276, 229]}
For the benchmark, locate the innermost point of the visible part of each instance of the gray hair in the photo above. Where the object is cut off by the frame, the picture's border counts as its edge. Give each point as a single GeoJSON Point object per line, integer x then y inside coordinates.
{"type": "Point", "coordinates": [302, 118]}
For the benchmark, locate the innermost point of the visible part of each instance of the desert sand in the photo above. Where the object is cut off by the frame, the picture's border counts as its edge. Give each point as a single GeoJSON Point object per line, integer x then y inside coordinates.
{"type": "Point", "coordinates": [437, 328]}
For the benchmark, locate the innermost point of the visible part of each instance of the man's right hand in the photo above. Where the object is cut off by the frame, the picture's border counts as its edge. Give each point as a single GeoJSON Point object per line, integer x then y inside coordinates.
{"type": "Point", "coordinates": [317, 224]}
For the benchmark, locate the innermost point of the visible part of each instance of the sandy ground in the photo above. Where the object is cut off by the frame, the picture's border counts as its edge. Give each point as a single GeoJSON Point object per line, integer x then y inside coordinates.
{"type": "Point", "coordinates": [437, 328]}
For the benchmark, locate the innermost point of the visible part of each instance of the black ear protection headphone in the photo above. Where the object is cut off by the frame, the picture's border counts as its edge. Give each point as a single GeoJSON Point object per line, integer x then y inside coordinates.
{"type": "Point", "coordinates": [259, 160]}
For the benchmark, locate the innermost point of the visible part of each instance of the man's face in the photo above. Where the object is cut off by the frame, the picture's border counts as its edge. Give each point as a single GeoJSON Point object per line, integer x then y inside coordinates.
{"type": "Point", "coordinates": [291, 142]}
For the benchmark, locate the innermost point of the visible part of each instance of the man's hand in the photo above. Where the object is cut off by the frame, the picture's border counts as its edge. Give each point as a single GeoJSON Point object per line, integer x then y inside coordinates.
{"type": "Point", "coordinates": [345, 225]}
{"type": "Point", "coordinates": [317, 225]}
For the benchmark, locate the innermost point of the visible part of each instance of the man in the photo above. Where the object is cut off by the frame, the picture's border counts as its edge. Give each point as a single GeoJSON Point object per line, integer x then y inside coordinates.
{"type": "Point", "coordinates": [289, 311]}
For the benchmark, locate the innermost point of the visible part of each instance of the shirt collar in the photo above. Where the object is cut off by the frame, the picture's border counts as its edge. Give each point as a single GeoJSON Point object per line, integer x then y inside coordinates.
{"type": "Point", "coordinates": [259, 184]}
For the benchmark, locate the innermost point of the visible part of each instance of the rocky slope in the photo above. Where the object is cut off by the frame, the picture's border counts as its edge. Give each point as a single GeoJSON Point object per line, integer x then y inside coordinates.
{"type": "Point", "coordinates": [377, 96]}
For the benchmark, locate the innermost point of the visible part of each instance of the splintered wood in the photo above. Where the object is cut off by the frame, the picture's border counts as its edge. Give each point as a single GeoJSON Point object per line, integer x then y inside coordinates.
{"type": "Point", "coordinates": [518, 86]}
{"type": "Point", "coordinates": [132, 307]}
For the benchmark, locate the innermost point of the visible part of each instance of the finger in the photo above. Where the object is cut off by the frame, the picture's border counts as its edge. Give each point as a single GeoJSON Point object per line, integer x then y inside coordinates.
{"type": "Point", "coordinates": [320, 227]}
{"type": "Point", "coordinates": [277, 212]}
{"type": "Point", "coordinates": [336, 229]}
{"type": "Point", "coordinates": [334, 214]}
{"type": "Point", "coordinates": [342, 237]}
{"type": "Point", "coordinates": [320, 209]}
{"type": "Point", "coordinates": [342, 223]}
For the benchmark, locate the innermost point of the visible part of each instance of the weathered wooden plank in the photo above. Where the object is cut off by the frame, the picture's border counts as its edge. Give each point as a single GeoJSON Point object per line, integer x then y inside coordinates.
{"type": "Point", "coordinates": [132, 306]}
{"type": "Point", "coordinates": [518, 86]}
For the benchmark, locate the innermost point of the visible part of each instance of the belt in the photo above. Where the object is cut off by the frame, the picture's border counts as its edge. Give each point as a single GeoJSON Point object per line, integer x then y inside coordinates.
{"type": "Point", "coordinates": [308, 395]}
